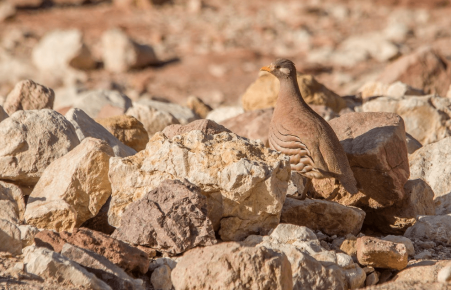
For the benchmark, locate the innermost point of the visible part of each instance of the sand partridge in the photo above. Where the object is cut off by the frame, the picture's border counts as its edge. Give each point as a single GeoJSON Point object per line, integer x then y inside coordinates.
{"type": "Point", "coordinates": [300, 133]}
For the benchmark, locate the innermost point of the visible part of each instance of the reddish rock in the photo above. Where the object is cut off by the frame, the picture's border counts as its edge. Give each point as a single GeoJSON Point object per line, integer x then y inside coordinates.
{"type": "Point", "coordinates": [378, 253]}
{"type": "Point", "coordinates": [171, 218]}
{"type": "Point", "coordinates": [28, 95]}
{"type": "Point", "coordinates": [424, 68]}
{"type": "Point", "coordinates": [252, 125]}
{"type": "Point", "coordinates": [207, 126]}
{"type": "Point", "coordinates": [125, 256]}
{"type": "Point", "coordinates": [375, 144]}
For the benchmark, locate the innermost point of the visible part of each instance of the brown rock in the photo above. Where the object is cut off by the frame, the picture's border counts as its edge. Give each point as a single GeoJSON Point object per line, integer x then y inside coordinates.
{"type": "Point", "coordinates": [171, 218]}
{"type": "Point", "coordinates": [263, 93]}
{"type": "Point", "coordinates": [375, 144]}
{"type": "Point", "coordinates": [125, 256]}
{"type": "Point", "coordinates": [252, 125]}
{"type": "Point", "coordinates": [198, 106]}
{"type": "Point", "coordinates": [232, 266]}
{"type": "Point", "coordinates": [397, 218]}
{"type": "Point", "coordinates": [127, 129]}
{"type": "Point", "coordinates": [207, 126]}
{"type": "Point", "coordinates": [3, 114]}
{"type": "Point", "coordinates": [326, 216]}
{"type": "Point", "coordinates": [28, 95]}
{"type": "Point", "coordinates": [349, 246]}
{"type": "Point", "coordinates": [381, 254]}
{"type": "Point", "coordinates": [424, 68]}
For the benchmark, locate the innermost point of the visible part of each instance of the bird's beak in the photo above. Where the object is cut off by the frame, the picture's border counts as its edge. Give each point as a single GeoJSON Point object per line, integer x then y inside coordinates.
{"type": "Point", "coordinates": [267, 68]}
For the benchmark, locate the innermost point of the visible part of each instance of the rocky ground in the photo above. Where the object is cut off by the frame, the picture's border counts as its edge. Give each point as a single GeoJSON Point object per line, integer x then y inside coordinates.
{"type": "Point", "coordinates": [134, 145]}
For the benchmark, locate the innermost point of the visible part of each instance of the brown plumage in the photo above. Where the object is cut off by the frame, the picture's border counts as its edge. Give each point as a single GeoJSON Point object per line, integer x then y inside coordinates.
{"type": "Point", "coordinates": [299, 132]}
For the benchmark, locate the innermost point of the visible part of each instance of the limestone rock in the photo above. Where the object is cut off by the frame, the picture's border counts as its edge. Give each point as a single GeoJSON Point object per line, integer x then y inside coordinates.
{"type": "Point", "coordinates": [395, 90]}
{"type": "Point", "coordinates": [231, 266]}
{"type": "Point", "coordinates": [12, 203]}
{"type": "Point", "coordinates": [263, 93]}
{"type": "Point", "coordinates": [153, 120]}
{"type": "Point", "coordinates": [50, 265]}
{"type": "Point", "coordinates": [183, 114]}
{"type": "Point", "coordinates": [171, 218]}
{"type": "Point", "coordinates": [123, 255]}
{"type": "Point", "coordinates": [424, 271]}
{"type": "Point", "coordinates": [410, 285]}
{"type": "Point", "coordinates": [120, 53]}
{"type": "Point", "coordinates": [397, 218]}
{"type": "Point", "coordinates": [87, 127]}
{"type": "Point", "coordinates": [252, 125]}
{"type": "Point", "coordinates": [223, 113]}
{"type": "Point", "coordinates": [207, 126]}
{"type": "Point", "coordinates": [101, 103]}
{"type": "Point", "coordinates": [62, 49]}
{"type": "Point", "coordinates": [161, 278]}
{"type": "Point", "coordinates": [28, 95]}
{"type": "Point", "coordinates": [430, 164]}
{"type": "Point", "coordinates": [403, 240]}
{"type": "Point", "coordinates": [30, 141]}
{"type": "Point", "coordinates": [326, 216]}
{"type": "Point", "coordinates": [27, 234]}
{"type": "Point", "coordinates": [424, 68]}
{"type": "Point", "coordinates": [3, 114]}
{"type": "Point", "coordinates": [432, 228]}
{"type": "Point", "coordinates": [100, 266]}
{"type": "Point", "coordinates": [198, 106]}
{"type": "Point", "coordinates": [426, 118]}
{"type": "Point", "coordinates": [78, 179]}
{"type": "Point", "coordinates": [235, 174]}
{"type": "Point", "coordinates": [375, 144]}
{"type": "Point", "coordinates": [444, 275]}
{"type": "Point", "coordinates": [381, 254]}
{"type": "Point", "coordinates": [127, 129]}
{"type": "Point", "coordinates": [10, 237]}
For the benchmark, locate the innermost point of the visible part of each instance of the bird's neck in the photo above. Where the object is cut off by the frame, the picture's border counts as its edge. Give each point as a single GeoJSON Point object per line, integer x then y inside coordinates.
{"type": "Point", "coordinates": [289, 93]}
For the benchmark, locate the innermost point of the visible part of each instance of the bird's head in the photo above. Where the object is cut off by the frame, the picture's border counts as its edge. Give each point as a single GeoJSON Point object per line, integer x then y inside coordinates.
{"type": "Point", "coordinates": [281, 68]}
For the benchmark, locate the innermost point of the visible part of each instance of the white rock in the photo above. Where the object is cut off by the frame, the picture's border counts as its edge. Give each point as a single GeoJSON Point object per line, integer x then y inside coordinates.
{"type": "Point", "coordinates": [161, 278]}
{"type": "Point", "coordinates": [430, 163]}
{"type": "Point", "coordinates": [153, 119]}
{"type": "Point", "coordinates": [432, 228]}
{"type": "Point", "coordinates": [223, 113]}
{"type": "Point", "coordinates": [30, 141]}
{"type": "Point", "coordinates": [12, 204]}
{"type": "Point", "coordinates": [121, 54]}
{"type": "Point", "coordinates": [183, 114]}
{"type": "Point", "coordinates": [444, 275]}
{"type": "Point", "coordinates": [27, 234]}
{"type": "Point", "coordinates": [28, 95]}
{"type": "Point", "coordinates": [87, 127]}
{"type": "Point", "coordinates": [403, 240]}
{"type": "Point", "coordinates": [50, 265]}
{"type": "Point", "coordinates": [79, 180]}
{"type": "Point", "coordinates": [10, 238]}
{"type": "Point", "coordinates": [102, 103]}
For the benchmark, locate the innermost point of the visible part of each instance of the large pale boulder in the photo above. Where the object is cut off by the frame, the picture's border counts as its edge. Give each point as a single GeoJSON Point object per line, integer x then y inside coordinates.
{"type": "Point", "coordinates": [207, 126]}
{"type": "Point", "coordinates": [129, 130]}
{"type": "Point", "coordinates": [245, 183]}
{"type": "Point", "coordinates": [398, 217]}
{"type": "Point", "coordinates": [424, 270]}
{"type": "Point", "coordinates": [118, 252]}
{"type": "Point", "coordinates": [263, 93]}
{"type": "Point", "coordinates": [183, 114]}
{"type": "Point", "coordinates": [223, 113]}
{"type": "Point", "coordinates": [28, 95]}
{"type": "Point", "coordinates": [430, 163]}
{"type": "Point", "coordinates": [435, 228]}
{"type": "Point", "coordinates": [10, 237]}
{"type": "Point", "coordinates": [100, 266]}
{"type": "Point", "coordinates": [62, 49]}
{"type": "Point", "coordinates": [87, 127]}
{"type": "Point", "coordinates": [426, 118]}
{"type": "Point", "coordinates": [79, 180]}
{"type": "Point", "coordinates": [120, 53]}
{"type": "Point", "coordinates": [312, 266]}
{"type": "Point", "coordinates": [375, 144]}
{"type": "Point", "coordinates": [153, 119]}
{"type": "Point", "coordinates": [395, 90]}
{"type": "Point", "coordinates": [424, 68]}
{"type": "Point", "coordinates": [171, 218]}
{"type": "Point", "coordinates": [50, 265]}
{"type": "Point", "coordinates": [379, 253]}
{"type": "Point", "coordinates": [12, 203]}
{"type": "Point", "coordinates": [30, 141]}
{"type": "Point", "coordinates": [232, 266]}
{"type": "Point", "coordinates": [326, 216]}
